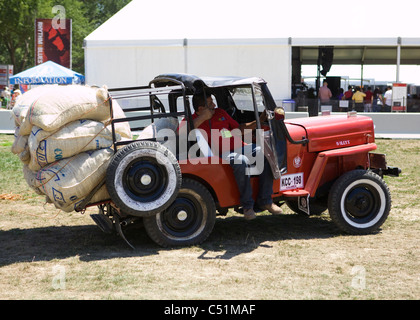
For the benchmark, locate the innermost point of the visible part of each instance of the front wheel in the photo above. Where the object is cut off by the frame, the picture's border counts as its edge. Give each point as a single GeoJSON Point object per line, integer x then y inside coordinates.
{"type": "Point", "coordinates": [189, 220]}
{"type": "Point", "coordinates": [359, 202]}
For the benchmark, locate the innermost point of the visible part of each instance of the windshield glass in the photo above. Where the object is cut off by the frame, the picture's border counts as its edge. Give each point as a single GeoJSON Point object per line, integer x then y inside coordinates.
{"type": "Point", "coordinates": [243, 98]}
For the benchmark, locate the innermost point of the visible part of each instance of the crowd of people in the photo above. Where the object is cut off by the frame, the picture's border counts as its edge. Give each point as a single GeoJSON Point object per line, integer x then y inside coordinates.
{"type": "Point", "coordinates": [8, 97]}
{"type": "Point", "coordinates": [358, 98]}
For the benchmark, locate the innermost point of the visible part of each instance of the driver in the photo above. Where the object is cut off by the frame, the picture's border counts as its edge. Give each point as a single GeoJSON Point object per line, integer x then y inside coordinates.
{"type": "Point", "coordinates": [207, 117]}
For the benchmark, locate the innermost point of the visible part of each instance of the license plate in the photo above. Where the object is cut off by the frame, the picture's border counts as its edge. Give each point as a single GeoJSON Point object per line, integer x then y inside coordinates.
{"type": "Point", "coordinates": [291, 181]}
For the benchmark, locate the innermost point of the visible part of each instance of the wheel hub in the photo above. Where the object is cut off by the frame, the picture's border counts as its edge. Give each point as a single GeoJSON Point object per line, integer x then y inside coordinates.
{"type": "Point", "coordinates": [360, 202]}
{"type": "Point", "coordinates": [146, 179]}
{"type": "Point", "coordinates": [182, 215]}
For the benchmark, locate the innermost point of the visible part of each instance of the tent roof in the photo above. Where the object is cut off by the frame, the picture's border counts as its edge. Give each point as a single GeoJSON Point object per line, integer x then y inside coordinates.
{"type": "Point", "coordinates": [155, 23]}
{"type": "Point", "coordinates": [248, 22]}
{"type": "Point", "coordinates": [47, 73]}
{"type": "Point", "coordinates": [366, 51]}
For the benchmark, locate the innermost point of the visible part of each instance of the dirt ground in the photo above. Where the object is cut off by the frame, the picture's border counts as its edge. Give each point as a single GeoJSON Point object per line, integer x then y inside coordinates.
{"type": "Point", "coordinates": [49, 254]}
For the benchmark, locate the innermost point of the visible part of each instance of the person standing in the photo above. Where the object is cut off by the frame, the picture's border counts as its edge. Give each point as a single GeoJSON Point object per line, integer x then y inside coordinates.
{"type": "Point", "coordinates": [368, 100]}
{"type": "Point", "coordinates": [6, 97]}
{"type": "Point", "coordinates": [357, 98]}
{"type": "Point", "coordinates": [349, 93]}
{"type": "Point", "coordinates": [377, 100]}
{"type": "Point", "coordinates": [324, 93]}
{"type": "Point", "coordinates": [388, 99]}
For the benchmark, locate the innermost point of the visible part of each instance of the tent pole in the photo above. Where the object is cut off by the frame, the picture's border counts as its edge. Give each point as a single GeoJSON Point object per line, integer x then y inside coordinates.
{"type": "Point", "coordinates": [361, 76]}
{"type": "Point", "coordinates": [398, 59]}
{"type": "Point", "coordinates": [185, 45]}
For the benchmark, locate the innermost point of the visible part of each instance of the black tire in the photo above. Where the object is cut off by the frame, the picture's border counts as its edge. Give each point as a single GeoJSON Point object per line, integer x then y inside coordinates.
{"type": "Point", "coordinates": [189, 220]}
{"type": "Point", "coordinates": [143, 178]}
{"type": "Point", "coordinates": [359, 202]}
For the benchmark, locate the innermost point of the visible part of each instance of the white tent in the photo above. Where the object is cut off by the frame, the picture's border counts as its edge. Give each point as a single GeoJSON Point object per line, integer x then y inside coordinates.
{"type": "Point", "coordinates": [229, 37]}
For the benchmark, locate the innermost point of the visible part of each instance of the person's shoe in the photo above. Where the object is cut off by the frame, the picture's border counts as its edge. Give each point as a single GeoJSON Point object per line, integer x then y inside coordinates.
{"type": "Point", "coordinates": [272, 208]}
{"type": "Point", "coordinates": [249, 214]}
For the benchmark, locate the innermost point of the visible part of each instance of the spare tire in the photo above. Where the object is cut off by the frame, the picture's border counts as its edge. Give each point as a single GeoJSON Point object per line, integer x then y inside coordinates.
{"type": "Point", "coordinates": [143, 178]}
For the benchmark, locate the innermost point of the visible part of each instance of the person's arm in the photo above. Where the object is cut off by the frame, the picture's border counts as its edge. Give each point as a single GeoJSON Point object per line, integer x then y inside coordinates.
{"type": "Point", "coordinates": [205, 114]}
{"type": "Point", "coordinates": [250, 125]}
{"type": "Point", "coordinates": [253, 124]}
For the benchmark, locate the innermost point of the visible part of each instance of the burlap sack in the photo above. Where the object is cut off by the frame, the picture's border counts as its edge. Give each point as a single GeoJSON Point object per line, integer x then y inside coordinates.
{"type": "Point", "coordinates": [101, 195]}
{"type": "Point", "coordinates": [70, 180]}
{"type": "Point", "coordinates": [30, 178]}
{"type": "Point", "coordinates": [20, 143]}
{"type": "Point", "coordinates": [76, 137]}
{"type": "Point", "coordinates": [24, 101]}
{"type": "Point", "coordinates": [122, 128]}
{"type": "Point", "coordinates": [57, 106]}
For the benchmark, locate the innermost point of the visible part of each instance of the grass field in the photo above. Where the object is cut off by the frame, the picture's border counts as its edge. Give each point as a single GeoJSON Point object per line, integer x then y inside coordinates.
{"type": "Point", "coordinates": [49, 254]}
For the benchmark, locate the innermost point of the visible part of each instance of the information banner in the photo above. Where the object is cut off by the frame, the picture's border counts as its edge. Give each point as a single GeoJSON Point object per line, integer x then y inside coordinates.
{"type": "Point", "coordinates": [399, 97]}
{"type": "Point", "coordinates": [53, 41]}
{"type": "Point", "coordinates": [6, 71]}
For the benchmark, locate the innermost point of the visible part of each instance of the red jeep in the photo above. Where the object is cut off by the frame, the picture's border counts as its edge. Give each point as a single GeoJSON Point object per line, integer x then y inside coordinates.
{"type": "Point", "coordinates": [178, 187]}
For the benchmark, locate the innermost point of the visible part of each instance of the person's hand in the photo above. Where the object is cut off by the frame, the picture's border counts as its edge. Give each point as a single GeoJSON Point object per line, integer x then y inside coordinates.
{"type": "Point", "coordinates": [207, 113]}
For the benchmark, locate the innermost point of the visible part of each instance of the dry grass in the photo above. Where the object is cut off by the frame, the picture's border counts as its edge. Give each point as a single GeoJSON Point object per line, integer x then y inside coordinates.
{"type": "Point", "coordinates": [49, 254]}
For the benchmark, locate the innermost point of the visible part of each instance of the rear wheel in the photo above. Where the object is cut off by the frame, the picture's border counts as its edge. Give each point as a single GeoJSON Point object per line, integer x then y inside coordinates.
{"type": "Point", "coordinates": [359, 202]}
{"type": "Point", "coordinates": [189, 220]}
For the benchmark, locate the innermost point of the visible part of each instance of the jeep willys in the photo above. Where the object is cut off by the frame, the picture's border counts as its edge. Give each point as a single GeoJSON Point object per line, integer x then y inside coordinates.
{"type": "Point", "coordinates": [177, 185]}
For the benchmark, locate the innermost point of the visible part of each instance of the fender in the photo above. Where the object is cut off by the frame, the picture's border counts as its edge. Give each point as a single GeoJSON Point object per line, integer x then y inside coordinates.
{"type": "Point", "coordinates": [322, 159]}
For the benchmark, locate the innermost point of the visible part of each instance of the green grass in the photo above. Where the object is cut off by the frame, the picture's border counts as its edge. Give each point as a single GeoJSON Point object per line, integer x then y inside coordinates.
{"type": "Point", "coordinates": [272, 257]}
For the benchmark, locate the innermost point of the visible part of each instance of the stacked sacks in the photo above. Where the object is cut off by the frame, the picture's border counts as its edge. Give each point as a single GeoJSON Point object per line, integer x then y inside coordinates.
{"type": "Point", "coordinates": [63, 140]}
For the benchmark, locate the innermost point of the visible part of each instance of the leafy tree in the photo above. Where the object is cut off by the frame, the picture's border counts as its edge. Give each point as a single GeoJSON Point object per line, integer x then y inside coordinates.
{"type": "Point", "coordinates": [17, 21]}
{"type": "Point", "coordinates": [16, 32]}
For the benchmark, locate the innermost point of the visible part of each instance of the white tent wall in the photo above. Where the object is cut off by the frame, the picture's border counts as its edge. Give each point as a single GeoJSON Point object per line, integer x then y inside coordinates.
{"type": "Point", "coordinates": [127, 65]}
{"type": "Point", "coordinates": [130, 66]}
{"type": "Point", "coordinates": [272, 62]}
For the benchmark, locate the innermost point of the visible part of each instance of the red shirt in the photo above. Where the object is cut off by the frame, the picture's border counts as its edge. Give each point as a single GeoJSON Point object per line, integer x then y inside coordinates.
{"type": "Point", "coordinates": [218, 130]}
{"type": "Point", "coordinates": [368, 97]}
{"type": "Point", "coordinates": [348, 94]}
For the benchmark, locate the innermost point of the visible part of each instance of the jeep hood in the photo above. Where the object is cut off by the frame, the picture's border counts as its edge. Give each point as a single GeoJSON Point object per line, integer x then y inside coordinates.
{"type": "Point", "coordinates": [332, 132]}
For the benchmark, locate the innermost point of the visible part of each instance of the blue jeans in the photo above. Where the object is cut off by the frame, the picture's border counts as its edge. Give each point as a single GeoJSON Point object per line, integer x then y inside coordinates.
{"type": "Point", "coordinates": [240, 160]}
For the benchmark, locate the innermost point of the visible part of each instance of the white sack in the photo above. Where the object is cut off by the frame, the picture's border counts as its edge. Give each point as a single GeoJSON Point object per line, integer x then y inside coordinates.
{"type": "Point", "coordinates": [60, 105]}
{"type": "Point", "coordinates": [100, 195]}
{"type": "Point", "coordinates": [20, 143]}
{"type": "Point", "coordinates": [25, 100]}
{"type": "Point", "coordinates": [122, 128]}
{"type": "Point", "coordinates": [76, 137]}
{"type": "Point", "coordinates": [30, 178]}
{"type": "Point", "coordinates": [70, 180]}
